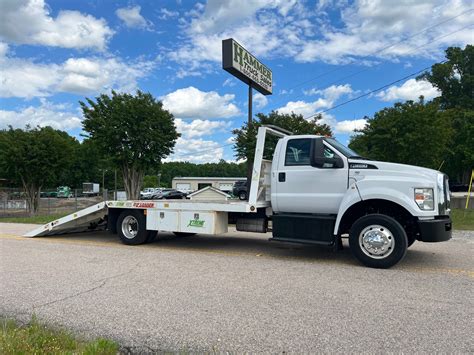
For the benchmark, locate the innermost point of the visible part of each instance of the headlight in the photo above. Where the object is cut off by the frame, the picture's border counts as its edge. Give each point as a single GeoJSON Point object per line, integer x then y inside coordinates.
{"type": "Point", "coordinates": [424, 198]}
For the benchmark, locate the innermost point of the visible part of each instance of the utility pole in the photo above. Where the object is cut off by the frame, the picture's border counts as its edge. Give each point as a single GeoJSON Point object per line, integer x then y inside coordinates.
{"type": "Point", "coordinates": [249, 128]}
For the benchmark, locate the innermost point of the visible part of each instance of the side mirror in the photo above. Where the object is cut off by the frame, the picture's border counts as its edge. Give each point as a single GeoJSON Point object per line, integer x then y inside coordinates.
{"type": "Point", "coordinates": [319, 160]}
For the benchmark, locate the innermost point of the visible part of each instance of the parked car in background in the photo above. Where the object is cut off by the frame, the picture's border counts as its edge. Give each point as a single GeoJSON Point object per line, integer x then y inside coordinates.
{"type": "Point", "coordinates": [172, 195]}
{"type": "Point", "coordinates": [157, 193]}
{"type": "Point", "coordinates": [240, 189]}
{"type": "Point", "coordinates": [148, 192]}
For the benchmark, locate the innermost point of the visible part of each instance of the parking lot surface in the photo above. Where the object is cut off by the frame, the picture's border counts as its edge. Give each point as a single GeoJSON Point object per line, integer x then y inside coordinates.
{"type": "Point", "coordinates": [240, 293]}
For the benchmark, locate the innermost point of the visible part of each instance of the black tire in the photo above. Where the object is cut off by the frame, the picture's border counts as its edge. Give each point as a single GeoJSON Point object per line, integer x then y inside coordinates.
{"type": "Point", "coordinates": [242, 195]}
{"type": "Point", "coordinates": [131, 227]}
{"type": "Point", "coordinates": [388, 248]}
{"type": "Point", "coordinates": [183, 234]}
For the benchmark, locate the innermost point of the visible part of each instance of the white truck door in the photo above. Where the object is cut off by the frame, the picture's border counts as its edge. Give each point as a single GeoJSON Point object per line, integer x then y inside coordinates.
{"type": "Point", "coordinates": [301, 188]}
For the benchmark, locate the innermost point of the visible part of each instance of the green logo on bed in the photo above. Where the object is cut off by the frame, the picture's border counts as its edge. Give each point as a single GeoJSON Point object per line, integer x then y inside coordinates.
{"type": "Point", "coordinates": [196, 223]}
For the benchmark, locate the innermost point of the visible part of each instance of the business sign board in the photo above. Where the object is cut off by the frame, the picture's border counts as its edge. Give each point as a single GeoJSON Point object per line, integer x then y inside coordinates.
{"type": "Point", "coordinates": [243, 65]}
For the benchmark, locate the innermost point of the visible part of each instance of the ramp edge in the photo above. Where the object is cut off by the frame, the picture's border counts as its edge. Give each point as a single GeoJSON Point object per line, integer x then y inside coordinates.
{"type": "Point", "coordinates": [61, 222]}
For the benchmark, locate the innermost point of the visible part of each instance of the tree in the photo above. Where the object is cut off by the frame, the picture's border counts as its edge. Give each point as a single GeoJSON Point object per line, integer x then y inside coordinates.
{"type": "Point", "coordinates": [35, 158]}
{"type": "Point", "coordinates": [455, 79]}
{"type": "Point", "coordinates": [411, 133]}
{"type": "Point", "coordinates": [246, 139]}
{"type": "Point", "coordinates": [170, 170]}
{"type": "Point", "coordinates": [135, 132]}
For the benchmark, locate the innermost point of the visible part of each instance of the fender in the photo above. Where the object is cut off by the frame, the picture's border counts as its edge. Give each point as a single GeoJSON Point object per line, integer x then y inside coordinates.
{"type": "Point", "coordinates": [379, 193]}
{"type": "Point", "coordinates": [351, 197]}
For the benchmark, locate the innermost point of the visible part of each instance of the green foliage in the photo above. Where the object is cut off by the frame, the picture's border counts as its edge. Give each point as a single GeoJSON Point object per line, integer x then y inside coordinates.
{"type": "Point", "coordinates": [36, 338]}
{"type": "Point", "coordinates": [34, 158]}
{"type": "Point", "coordinates": [220, 169]}
{"type": "Point", "coordinates": [150, 181]}
{"type": "Point", "coordinates": [433, 134]}
{"type": "Point", "coordinates": [411, 133]}
{"type": "Point", "coordinates": [455, 78]}
{"type": "Point", "coordinates": [245, 138]}
{"type": "Point", "coordinates": [38, 219]}
{"type": "Point", "coordinates": [135, 132]}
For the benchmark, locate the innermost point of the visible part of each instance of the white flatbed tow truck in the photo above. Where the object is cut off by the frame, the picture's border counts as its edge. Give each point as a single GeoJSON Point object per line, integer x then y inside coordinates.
{"type": "Point", "coordinates": [314, 190]}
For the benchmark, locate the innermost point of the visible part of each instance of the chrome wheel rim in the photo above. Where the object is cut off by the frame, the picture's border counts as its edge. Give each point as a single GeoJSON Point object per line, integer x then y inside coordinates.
{"type": "Point", "coordinates": [130, 227]}
{"type": "Point", "coordinates": [376, 241]}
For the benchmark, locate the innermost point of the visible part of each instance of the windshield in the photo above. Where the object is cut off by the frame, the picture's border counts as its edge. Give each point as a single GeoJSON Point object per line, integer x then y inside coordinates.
{"type": "Point", "coordinates": [348, 152]}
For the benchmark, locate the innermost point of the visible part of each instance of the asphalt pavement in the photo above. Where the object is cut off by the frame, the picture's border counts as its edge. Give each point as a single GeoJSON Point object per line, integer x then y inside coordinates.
{"type": "Point", "coordinates": [240, 293]}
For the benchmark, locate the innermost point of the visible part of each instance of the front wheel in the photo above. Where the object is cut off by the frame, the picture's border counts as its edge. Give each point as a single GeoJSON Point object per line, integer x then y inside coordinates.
{"type": "Point", "coordinates": [378, 241]}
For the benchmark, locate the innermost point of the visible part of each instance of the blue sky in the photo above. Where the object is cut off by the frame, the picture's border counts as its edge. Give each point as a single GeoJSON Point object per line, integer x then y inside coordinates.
{"type": "Point", "coordinates": [322, 53]}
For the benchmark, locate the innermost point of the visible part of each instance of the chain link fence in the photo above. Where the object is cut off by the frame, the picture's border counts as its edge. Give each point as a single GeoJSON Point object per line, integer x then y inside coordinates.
{"type": "Point", "coordinates": [13, 202]}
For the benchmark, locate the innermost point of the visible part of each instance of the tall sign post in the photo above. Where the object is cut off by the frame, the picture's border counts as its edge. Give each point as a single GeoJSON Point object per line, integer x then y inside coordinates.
{"type": "Point", "coordinates": [243, 65]}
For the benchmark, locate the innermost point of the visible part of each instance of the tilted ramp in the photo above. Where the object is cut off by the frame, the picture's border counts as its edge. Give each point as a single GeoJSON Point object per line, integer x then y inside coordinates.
{"type": "Point", "coordinates": [90, 218]}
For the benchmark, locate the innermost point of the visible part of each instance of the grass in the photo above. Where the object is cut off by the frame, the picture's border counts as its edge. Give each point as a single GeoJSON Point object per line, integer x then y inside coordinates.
{"type": "Point", "coordinates": [463, 219]}
{"type": "Point", "coordinates": [41, 219]}
{"type": "Point", "coordinates": [37, 338]}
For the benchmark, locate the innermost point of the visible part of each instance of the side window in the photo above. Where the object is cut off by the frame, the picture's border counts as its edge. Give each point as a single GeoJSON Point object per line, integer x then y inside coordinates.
{"type": "Point", "coordinates": [297, 152]}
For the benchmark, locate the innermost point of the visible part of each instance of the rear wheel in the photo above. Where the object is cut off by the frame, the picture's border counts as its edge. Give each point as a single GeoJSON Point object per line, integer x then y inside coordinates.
{"type": "Point", "coordinates": [131, 227]}
{"type": "Point", "coordinates": [378, 241]}
{"type": "Point", "coordinates": [242, 195]}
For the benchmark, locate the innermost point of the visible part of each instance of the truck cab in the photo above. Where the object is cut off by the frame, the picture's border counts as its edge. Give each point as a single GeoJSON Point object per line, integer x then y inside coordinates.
{"type": "Point", "coordinates": [322, 190]}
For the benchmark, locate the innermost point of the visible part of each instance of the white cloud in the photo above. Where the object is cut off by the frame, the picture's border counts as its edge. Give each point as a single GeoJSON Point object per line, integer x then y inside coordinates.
{"type": "Point", "coordinates": [328, 97]}
{"type": "Point", "coordinates": [196, 151]}
{"type": "Point", "coordinates": [25, 78]}
{"type": "Point", "coordinates": [291, 29]}
{"type": "Point", "coordinates": [229, 82]}
{"type": "Point", "coordinates": [369, 26]}
{"type": "Point", "coordinates": [199, 128]}
{"type": "Point", "coordinates": [411, 89]}
{"type": "Point", "coordinates": [132, 18]}
{"type": "Point", "coordinates": [47, 114]}
{"type": "Point", "coordinates": [29, 22]}
{"type": "Point", "coordinates": [193, 103]}
{"type": "Point", "coordinates": [303, 107]}
{"type": "Point", "coordinates": [348, 126]}
{"type": "Point", "coordinates": [260, 100]}
{"type": "Point", "coordinates": [265, 27]}
{"type": "Point", "coordinates": [166, 14]}
{"type": "Point", "coordinates": [331, 93]}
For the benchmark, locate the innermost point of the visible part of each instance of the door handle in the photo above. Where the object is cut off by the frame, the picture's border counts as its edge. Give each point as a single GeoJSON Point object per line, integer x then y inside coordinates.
{"type": "Point", "coordinates": [281, 177]}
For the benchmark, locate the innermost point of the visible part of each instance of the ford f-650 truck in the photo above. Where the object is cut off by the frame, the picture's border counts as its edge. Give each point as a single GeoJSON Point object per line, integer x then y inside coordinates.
{"type": "Point", "coordinates": [314, 191]}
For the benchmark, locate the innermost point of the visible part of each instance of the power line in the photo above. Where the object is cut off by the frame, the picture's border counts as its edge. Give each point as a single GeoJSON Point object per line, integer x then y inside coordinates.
{"type": "Point", "coordinates": [383, 49]}
{"type": "Point", "coordinates": [372, 92]}
{"type": "Point", "coordinates": [413, 49]}
{"type": "Point", "coordinates": [365, 69]}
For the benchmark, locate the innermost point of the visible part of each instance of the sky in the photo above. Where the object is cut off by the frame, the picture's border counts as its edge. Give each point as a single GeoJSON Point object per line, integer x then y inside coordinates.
{"type": "Point", "coordinates": [323, 53]}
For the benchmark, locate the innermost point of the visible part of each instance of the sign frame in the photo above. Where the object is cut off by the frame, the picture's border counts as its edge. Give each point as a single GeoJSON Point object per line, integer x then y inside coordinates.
{"type": "Point", "coordinates": [230, 58]}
